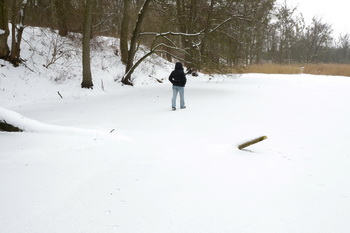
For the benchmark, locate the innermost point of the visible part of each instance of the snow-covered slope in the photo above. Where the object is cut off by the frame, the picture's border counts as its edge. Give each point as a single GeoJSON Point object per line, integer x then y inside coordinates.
{"type": "Point", "coordinates": [120, 160]}
{"type": "Point", "coordinates": [53, 64]}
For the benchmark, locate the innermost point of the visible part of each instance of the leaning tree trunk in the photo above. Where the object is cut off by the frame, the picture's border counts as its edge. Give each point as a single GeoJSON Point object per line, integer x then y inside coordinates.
{"type": "Point", "coordinates": [87, 77]}
{"type": "Point", "coordinates": [133, 43]}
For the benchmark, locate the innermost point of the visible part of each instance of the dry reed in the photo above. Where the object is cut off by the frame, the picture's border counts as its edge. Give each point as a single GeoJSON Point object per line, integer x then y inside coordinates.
{"type": "Point", "coordinates": [317, 69]}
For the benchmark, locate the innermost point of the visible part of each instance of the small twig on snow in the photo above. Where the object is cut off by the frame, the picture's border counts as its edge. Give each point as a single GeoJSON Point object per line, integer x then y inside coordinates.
{"type": "Point", "coordinates": [59, 94]}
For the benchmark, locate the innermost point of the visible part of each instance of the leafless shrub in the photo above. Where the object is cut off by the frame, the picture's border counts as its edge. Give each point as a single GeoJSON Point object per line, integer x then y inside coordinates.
{"type": "Point", "coordinates": [59, 48]}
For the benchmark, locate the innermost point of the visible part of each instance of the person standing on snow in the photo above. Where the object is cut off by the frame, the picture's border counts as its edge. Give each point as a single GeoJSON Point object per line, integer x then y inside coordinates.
{"type": "Point", "coordinates": [178, 79]}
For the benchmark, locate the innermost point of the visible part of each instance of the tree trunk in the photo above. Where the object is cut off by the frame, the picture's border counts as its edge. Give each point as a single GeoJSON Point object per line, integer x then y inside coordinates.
{"type": "Point", "coordinates": [17, 31]}
{"type": "Point", "coordinates": [181, 16]}
{"type": "Point", "coordinates": [87, 77]}
{"type": "Point", "coordinates": [124, 33]}
{"type": "Point", "coordinates": [186, 24]}
{"type": "Point", "coordinates": [133, 43]}
{"type": "Point", "coordinates": [4, 31]}
{"type": "Point", "coordinates": [206, 29]}
{"type": "Point", "coordinates": [61, 6]}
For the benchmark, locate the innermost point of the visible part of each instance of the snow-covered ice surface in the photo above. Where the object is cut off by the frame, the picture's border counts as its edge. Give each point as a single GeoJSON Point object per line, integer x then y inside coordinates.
{"type": "Point", "coordinates": [119, 160]}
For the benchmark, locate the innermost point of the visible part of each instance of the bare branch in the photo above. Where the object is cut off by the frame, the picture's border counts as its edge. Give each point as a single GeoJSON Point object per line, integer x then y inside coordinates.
{"type": "Point", "coordinates": [174, 56]}
{"type": "Point", "coordinates": [171, 33]}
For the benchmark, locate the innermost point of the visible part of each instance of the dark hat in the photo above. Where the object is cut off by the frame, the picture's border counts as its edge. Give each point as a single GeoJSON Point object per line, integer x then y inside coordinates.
{"type": "Point", "coordinates": [178, 66]}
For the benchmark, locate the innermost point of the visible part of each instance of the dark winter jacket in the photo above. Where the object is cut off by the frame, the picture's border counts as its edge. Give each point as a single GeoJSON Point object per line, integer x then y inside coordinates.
{"type": "Point", "coordinates": [177, 76]}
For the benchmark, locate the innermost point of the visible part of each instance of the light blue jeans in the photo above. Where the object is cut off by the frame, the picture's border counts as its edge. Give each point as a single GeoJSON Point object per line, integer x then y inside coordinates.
{"type": "Point", "coordinates": [181, 90]}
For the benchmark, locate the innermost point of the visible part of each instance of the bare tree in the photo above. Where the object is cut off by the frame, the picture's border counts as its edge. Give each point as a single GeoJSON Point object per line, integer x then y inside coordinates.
{"type": "Point", "coordinates": [124, 33]}
{"type": "Point", "coordinates": [188, 19]}
{"type": "Point", "coordinates": [133, 43]}
{"type": "Point", "coordinates": [61, 7]}
{"type": "Point", "coordinates": [4, 31]}
{"type": "Point", "coordinates": [343, 47]}
{"type": "Point", "coordinates": [318, 34]}
{"type": "Point", "coordinates": [87, 77]}
{"type": "Point", "coordinates": [183, 42]}
{"type": "Point", "coordinates": [17, 31]}
{"type": "Point", "coordinates": [286, 23]}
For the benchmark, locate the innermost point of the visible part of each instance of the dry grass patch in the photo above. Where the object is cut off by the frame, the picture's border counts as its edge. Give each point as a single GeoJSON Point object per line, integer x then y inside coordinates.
{"type": "Point", "coordinates": [317, 69]}
{"type": "Point", "coordinates": [273, 69]}
{"type": "Point", "coordinates": [328, 69]}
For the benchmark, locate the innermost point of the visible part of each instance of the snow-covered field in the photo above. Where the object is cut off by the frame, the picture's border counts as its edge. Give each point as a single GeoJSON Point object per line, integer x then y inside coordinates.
{"type": "Point", "coordinates": [118, 159]}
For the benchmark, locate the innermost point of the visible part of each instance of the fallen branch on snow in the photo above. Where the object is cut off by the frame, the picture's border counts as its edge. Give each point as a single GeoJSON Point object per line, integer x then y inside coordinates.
{"type": "Point", "coordinates": [251, 142]}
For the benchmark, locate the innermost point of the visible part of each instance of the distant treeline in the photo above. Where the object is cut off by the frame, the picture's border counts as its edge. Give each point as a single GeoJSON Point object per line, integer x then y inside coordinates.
{"type": "Point", "coordinates": [204, 34]}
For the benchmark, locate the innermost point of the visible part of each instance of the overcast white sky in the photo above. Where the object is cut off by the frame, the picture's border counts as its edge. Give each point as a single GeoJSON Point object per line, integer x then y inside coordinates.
{"type": "Point", "coordinates": [334, 12]}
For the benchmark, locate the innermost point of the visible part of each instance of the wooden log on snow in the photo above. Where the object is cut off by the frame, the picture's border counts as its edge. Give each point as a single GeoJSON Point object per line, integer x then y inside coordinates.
{"type": "Point", "coordinates": [4, 126]}
{"type": "Point", "coordinates": [251, 142]}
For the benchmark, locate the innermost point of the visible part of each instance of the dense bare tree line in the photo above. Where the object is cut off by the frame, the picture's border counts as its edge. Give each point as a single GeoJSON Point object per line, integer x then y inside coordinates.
{"type": "Point", "coordinates": [204, 34]}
